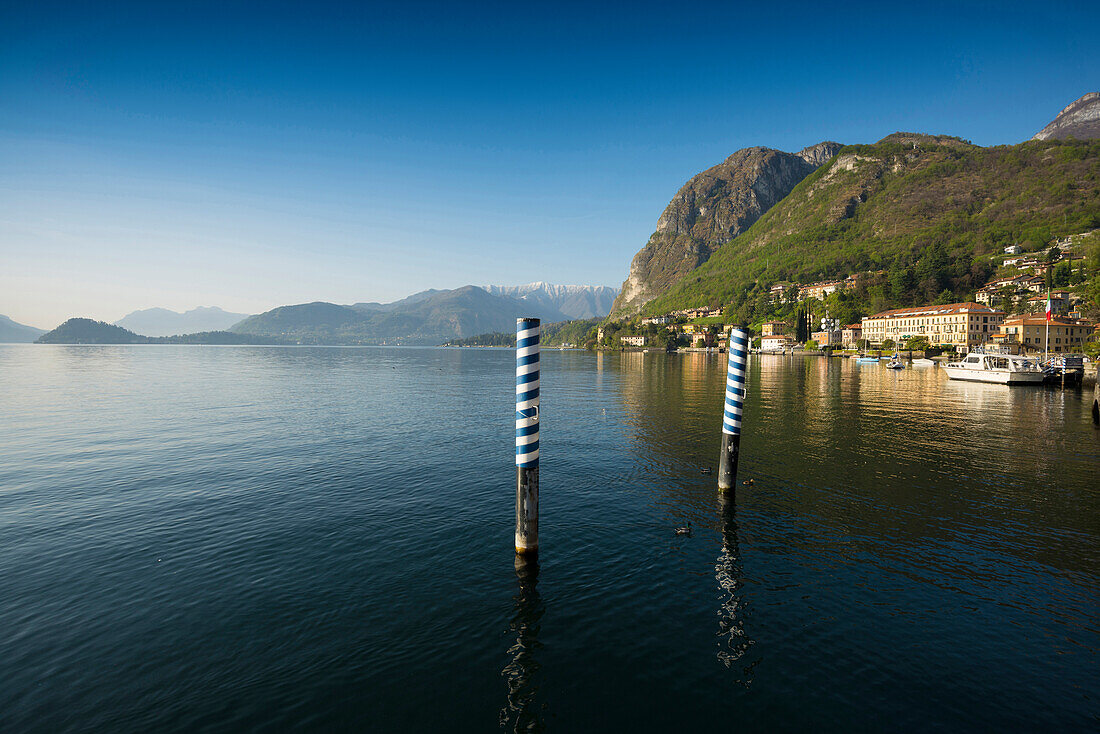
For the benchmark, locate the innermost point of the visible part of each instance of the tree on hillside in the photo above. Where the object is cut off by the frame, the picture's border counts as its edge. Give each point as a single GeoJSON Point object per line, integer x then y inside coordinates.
{"type": "Point", "coordinates": [902, 284]}
{"type": "Point", "coordinates": [801, 328]}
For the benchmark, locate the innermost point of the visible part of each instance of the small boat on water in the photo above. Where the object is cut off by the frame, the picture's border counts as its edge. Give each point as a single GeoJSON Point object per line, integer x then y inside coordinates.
{"type": "Point", "coordinates": [895, 363]}
{"type": "Point", "coordinates": [866, 360]}
{"type": "Point", "coordinates": [922, 362]}
{"type": "Point", "coordinates": [1003, 369]}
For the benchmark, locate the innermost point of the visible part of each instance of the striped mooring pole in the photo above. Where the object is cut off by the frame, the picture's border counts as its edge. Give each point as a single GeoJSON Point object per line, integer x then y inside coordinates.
{"type": "Point", "coordinates": [735, 401]}
{"type": "Point", "coordinates": [527, 436]}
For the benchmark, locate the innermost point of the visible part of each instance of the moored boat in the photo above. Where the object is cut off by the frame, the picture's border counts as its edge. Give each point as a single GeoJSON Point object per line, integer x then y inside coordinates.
{"type": "Point", "coordinates": [1003, 369]}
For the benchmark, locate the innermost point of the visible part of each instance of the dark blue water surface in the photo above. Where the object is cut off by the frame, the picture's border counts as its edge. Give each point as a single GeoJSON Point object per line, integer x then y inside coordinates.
{"type": "Point", "coordinates": [226, 539]}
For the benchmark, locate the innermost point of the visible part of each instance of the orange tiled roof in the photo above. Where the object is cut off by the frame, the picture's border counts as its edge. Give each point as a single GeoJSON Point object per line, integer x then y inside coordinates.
{"type": "Point", "coordinates": [945, 309]}
{"type": "Point", "coordinates": [1040, 319]}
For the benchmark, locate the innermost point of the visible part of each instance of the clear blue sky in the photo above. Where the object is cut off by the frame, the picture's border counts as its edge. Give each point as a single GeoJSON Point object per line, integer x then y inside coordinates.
{"type": "Point", "coordinates": [184, 154]}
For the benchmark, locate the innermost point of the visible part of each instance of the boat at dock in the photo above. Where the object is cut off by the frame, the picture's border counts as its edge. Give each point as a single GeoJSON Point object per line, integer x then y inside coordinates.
{"type": "Point", "coordinates": [1067, 369]}
{"type": "Point", "coordinates": [1003, 369]}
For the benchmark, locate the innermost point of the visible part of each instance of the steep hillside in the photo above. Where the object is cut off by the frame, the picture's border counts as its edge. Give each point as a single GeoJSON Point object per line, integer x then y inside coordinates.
{"type": "Point", "coordinates": [709, 210]}
{"type": "Point", "coordinates": [919, 206]}
{"type": "Point", "coordinates": [430, 319]}
{"type": "Point", "coordinates": [163, 322]}
{"type": "Point", "coordinates": [1080, 120]}
{"type": "Point", "coordinates": [571, 301]}
{"type": "Point", "coordinates": [12, 332]}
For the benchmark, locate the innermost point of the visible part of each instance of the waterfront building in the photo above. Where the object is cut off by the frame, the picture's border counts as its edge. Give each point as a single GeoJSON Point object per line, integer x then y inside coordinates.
{"type": "Point", "coordinates": [958, 325]}
{"type": "Point", "coordinates": [632, 341]}
{"type": "Point", "coordinates": [776, 343]}
{"type": "Point", "coordinates": [774, 328]}
{"type": "Point", "coordinates": [1030, 332]}
{"type": "Point", "coordinates": [850, 335]}
{"type": "Point", "coordinates": [827, 338]}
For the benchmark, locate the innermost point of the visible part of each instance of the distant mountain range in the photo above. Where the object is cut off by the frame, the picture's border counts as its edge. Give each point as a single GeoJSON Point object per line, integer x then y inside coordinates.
{"type": "Point", "coordinates": [571, 301]}
{"type": "Point", "coordinates": [162, 322]}
{"type": "Point", "coordinates": [431, 317]}
{"type": "Point", "coordinates": [12, 332]}
{"type": "Point", "coordinates": [428, 317]}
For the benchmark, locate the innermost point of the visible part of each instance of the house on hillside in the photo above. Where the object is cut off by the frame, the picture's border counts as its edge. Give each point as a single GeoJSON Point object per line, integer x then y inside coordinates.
{"type": "Point", "coordinates": [1059, 302]}
{"type": "Point", "coordinates": [778, 290]}
{"type": "Point", "coordinates": [1013, 250]}
{"type": "Point", "coordinates": [820, 289]}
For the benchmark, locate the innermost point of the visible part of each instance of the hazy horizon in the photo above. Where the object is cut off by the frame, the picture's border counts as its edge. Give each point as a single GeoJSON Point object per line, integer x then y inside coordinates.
{"type": "Point", "coordinates": [206, 154]}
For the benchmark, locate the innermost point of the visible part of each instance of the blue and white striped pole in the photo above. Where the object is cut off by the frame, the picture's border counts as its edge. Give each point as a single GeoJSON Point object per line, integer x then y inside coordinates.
{"type": "Point", "coordinates": [736, 374]}
{"type": "Point", "coordinates": [527, 436]}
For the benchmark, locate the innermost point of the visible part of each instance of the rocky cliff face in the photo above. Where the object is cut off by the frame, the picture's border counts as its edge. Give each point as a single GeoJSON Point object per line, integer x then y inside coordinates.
{"type": "Point", "coordinates": [1080, 120]}
{"type": "Point", "coordinates": [710, 210]}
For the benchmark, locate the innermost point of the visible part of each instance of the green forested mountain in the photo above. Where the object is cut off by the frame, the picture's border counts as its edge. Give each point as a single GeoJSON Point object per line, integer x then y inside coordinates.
{"type": "Point", "coordinates": [88, 331]}
{"type": "Point", "coordinates": [930, 211]}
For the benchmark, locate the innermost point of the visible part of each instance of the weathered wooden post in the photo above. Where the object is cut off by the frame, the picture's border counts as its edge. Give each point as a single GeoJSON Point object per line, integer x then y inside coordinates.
{"type": "Point", "coordinates": [736, 373]}
{"type": "Point", "coordinates": [527, 436]}
{"type": "Point", "coordinates": [1096, 400]}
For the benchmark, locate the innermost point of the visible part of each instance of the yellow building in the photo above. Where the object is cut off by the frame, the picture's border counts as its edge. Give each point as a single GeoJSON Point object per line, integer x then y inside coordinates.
{"type": "Point", "coordinates": [959, 325]}
{"type": "Point", "coordinates": [1065, 335]}
{"type": "Point", "coordinates": [773, 328]}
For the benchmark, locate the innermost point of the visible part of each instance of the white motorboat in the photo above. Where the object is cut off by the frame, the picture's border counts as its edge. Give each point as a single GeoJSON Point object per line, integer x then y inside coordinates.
{"type": "Point", "coordinates": [1003, 369]}
{"type": "Point", "coordinates": [922, 362]}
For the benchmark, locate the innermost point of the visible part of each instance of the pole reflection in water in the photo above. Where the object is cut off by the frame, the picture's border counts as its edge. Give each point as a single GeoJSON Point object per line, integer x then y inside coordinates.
{"type": "Point", "coordinates": [523, 712]}
{"type": "Point", "coordinates": [733, 642]}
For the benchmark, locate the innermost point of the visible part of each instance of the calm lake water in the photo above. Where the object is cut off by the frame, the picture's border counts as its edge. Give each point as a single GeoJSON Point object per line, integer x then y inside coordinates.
{"type": "Point", "coordinates": [225, 539]}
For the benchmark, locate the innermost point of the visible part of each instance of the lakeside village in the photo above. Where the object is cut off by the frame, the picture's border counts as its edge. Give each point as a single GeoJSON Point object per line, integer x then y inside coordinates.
{"type": "Point", "coordinates": [1037, 305]}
